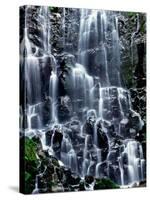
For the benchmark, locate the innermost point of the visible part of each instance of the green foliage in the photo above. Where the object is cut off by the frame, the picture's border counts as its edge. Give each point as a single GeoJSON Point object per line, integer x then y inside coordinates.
{"type": "Point", "coordinates": [53, 9]}
{"type": "Point", "coordinates": [127, 74]}
{"type": "Point", "coordinates": [81, 186]}
{"type": "Point", "coordinates": [30, 150]}
{"type": "Point", "coordinates": [27, 176]}
{"type": "Point", "coordinates": [131, 14]}
{"type": "Point", "coordinates": [143, 28]}
{"type": "Point", "coordinates": [105, 184]}
{"type": "Point", "coordinates": [31, 165]}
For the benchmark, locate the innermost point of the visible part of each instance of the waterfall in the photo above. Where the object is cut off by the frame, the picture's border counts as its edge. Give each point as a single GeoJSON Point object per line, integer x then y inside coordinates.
{"type": "Point", "coordinates": [114, 102]}
{"type": "Point", "coordinates": [98, 137]}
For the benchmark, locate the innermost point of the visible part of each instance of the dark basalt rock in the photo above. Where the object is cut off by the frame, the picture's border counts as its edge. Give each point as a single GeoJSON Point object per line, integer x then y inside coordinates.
{"type": "Point", "coordinates": [46, 112]}
{"type": "Point", "coordinates": [113, 157]}
{"type": "Point", "coordinates": [64, 78]}
{"type": "Point", "coordinates": [48, 135]}
{"type": "Point", "coordinates": [102, 141]}
{"type": "Point", "coordinates": [89, 179]}
{"type": "Point", "coordinates": [75, 126]}
{"type": "Point", "coordinates": [114, 174]}
{"type": "Point", "coordinates": [46, 64]}
{"type": "Point", "coordinates": [89, 128]}
{"type": "Point", "coordinates": [56, 142]}
{"type": "Point", "coordinates": [64, 108]}
{"type": "Point", "coordinates": [67, 60]}
{"type": "Point", "coordinates": [71, 179]}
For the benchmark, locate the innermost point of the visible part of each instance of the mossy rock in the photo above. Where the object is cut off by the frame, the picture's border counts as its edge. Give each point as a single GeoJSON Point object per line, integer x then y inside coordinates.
{"type": "Point", "coordinates": [31, 165]}
{"type": "Point", "coordinates": [30, 150]}
{"type": "Point", "coordinates": [53, 9]}
{"type": "Point", "coordinates": [105, 183]}
{"type": "Point", "coordinates": [55, 162]}
{"type": "Point", "coordinates": [81, 186]}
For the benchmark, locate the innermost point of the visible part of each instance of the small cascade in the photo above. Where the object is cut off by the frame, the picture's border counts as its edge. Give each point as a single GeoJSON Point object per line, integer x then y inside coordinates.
{"type": "Point", "coordinates": [53, 94]}
{"type": "Point", "coordinates": [64, 27]}
{"type": "Point", "coordinates": [32, 72]}
{"type": "Point", "coordinates": [85, 154]}
{"type": "Point", "coordinates": [37, 190]}
{"type": "Point", "coordinates": [97, 170]}
{"type": "Point", "coordinates": [116, 53]}
{"type": "Point", "coordinates": [34, 118]}
{"type": "Point", "coordinates": [88, 22]}
{"type": "Point", "coordinates": [99, 162]}
{"type": "Point", "coordinates": [82, 84]}
{"type": "Point", "coordinates": [133, 160]}
{"type": "Point", "coordinates": [68, 154]}
{"type": "Point", "coordinates": [44, 13]}
{"type": "Point", "coordinates": [73, 161]}
{"type": "Point", "coordinates": [133, 152]}
{"type": "Point", "coordinates": [121, 170]}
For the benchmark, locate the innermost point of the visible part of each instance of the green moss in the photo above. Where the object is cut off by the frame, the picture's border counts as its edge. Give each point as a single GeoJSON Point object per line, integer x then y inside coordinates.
{"type": "Point", "coordinates": [30, 150]}
{"type": "Point", "coordinates": [55, 162]}
{"type": "Point", "coordinates": [53, 9]}
{"type": "Point", "coordinates": [127, 74]}
{"type": "Point", "coordinates": [81, 186]}
{"type": "Point", "coordinates": [142, 29]}
{"type": "Point", "coordinates": [27, 176]}
{"type": "Point", "coordinates": [131, 14]}
{"type": "Point", "coordinates": [31, 165]}
{"type": "Point", "coordinates": [105, 184]}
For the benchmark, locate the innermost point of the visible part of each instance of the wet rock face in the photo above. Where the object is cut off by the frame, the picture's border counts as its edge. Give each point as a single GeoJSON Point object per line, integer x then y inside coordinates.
{"type": "Point", "coordinates": [102, 141]}
{"type": "Point", "coordinates": [46, 66]}
{"type": "Point", "coordinates": [133, 42]}
{"type": "Point", "coordinates": [89, 128]}
{"type": "Point", "coordinates": [138, 98]}
{"type": "Point", "coordinates": [64, 30]}
{"type": "Point", "coordinates": [33, 23]}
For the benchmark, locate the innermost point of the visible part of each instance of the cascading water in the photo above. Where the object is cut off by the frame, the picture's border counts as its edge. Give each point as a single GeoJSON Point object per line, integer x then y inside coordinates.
{"type": "Point", "coordinates": [32, 72]}
{"type": "Point", "coordinates": [114, 103]}
{"type": "Point", "coordinates": [88, 145]}
{"type": "Point", "coordinates": [53, 94]}
{"type": "Point", "coordinates": [82, 85]}
{"type": "Point", "coordinates": [44, 20]}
